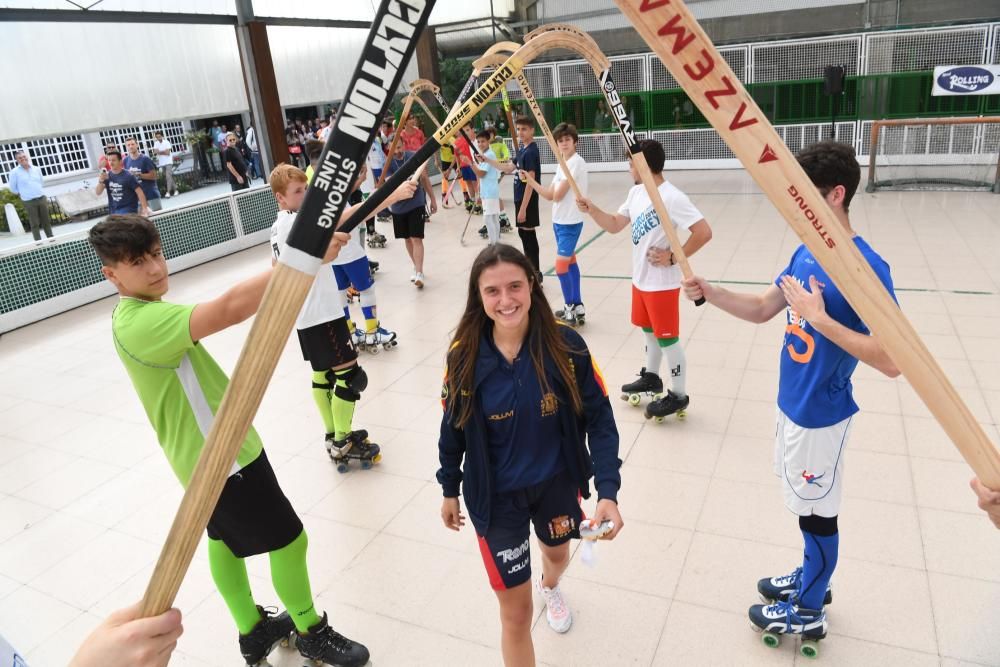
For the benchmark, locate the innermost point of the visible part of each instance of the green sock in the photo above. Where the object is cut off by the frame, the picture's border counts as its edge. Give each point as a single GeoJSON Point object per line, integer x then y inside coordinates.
{"type": "Point", "coordinates": [323, 395]}
{"type": "Point", "coordinates": [290, 577]}
{"type": "Point", "coordinates": [230, 576]}
{"type": "Point", "coordinates": [342, 409]}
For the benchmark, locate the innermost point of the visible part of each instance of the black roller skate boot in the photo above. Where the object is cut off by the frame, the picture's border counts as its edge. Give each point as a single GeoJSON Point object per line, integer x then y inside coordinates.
{"type": "Point", "coordinates": [323, 644]}
{"type": "Point", "coordinates": [372, 267]}
{"type": "Point", "coordinates": [648, 383]}
{"type": "Point", "coordinates": [483, 232]}
{"type": "Point", "coordinates": [273, 629]}
{"type": "Point", "coordinates": [355, 446]}
{"type": "Point", "coordinates": [667, 404]}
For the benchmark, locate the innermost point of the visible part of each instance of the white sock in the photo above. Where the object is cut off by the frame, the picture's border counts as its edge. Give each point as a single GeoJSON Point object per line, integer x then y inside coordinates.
{"type": "Point", "coordinates": [677, 363]}
{"type": "Point", "coordinates": [654, 354]}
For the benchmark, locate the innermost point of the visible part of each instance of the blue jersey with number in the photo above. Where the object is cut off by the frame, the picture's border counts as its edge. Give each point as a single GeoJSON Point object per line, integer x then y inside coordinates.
{"type": "Point", "coordinates": [814, 383]}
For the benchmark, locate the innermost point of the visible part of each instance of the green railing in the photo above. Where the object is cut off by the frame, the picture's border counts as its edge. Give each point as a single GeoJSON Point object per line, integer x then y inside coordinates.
{"type": "Point", "coordinates": [902, 95]}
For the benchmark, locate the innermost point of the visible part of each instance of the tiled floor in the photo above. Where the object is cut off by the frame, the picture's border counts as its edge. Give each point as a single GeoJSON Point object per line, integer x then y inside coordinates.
{"type": "Point", "coordinates": [86, 499]}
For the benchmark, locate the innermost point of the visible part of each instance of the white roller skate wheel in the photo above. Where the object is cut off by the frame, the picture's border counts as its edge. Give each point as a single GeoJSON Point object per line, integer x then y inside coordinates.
{"type": "Point", "coordinates": [634, 399]}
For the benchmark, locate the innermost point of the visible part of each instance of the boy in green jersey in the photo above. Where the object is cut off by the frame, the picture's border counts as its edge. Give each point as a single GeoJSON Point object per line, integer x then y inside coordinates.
{"type": "Point", "coordinates": [181, 386]}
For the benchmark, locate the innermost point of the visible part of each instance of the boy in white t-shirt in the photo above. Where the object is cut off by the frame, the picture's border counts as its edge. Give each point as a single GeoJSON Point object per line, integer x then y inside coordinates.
{"type": "Point", "coordinates": [164, 152]}
{"type": "Point", "coordinates": [656, 280]}
{"type": "Point", "coordinates": [488, 174]}
{"type": "Point", "coordinates": [567, 221]}
{"type": "Point", "coordinates": [323, 332]}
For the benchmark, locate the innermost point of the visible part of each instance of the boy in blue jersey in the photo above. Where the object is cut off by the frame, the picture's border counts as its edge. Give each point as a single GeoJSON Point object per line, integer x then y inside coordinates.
{"type": "Point", "coordinates": [824, 340]}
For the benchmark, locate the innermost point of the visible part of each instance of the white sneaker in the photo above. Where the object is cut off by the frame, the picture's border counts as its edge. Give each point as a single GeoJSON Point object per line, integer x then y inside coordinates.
{"type": "Point", "coordinates": [419, 280]}
{"type": "Point", "coordinates": [413, 276]}
{"type": "Point", "coordinates": [556, 610]}
{"type": "Point", "coordinates": [166, 196]}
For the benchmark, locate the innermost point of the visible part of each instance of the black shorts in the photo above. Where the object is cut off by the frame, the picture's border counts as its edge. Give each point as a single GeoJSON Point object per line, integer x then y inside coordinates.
{"type": "Point", "coordinates": [327, 345]}
{"type": "Point", "coordinates": [445, 166]}
{"type": "Point", "coordinates": [552, 506]}
{"type": "Point", "coordinates": [409, 225]}
{"type": "Point", "coordinates": [253, 516]}
{"type": "Point", "coordinates": [531, 215]}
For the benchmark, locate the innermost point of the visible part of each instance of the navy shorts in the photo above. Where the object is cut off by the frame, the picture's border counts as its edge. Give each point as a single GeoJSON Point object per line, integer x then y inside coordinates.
{"type": "Point", "coordinates": [552, 506]}
{"type": "Point", "coordinates": [468, 175]}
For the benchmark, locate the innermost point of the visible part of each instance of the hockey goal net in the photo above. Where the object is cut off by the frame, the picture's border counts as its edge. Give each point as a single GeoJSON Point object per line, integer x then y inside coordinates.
{"type": "Point", "coordinates": [935, 154]}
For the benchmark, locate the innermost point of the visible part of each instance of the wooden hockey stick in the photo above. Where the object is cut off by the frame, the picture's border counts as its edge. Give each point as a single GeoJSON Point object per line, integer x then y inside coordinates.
{"type": "Point", "coordinates": [686, 51]}
{"type": "Point", "coordinates": [529, 97]}
{"type": "Point", "coordinates": [393, 37]}
{"type": "Point", "coordinates": [403, 117]}
{"type": "Point", "coordinates": [591, 52]}
{"type": "Point", "coordinates": [460, 116]}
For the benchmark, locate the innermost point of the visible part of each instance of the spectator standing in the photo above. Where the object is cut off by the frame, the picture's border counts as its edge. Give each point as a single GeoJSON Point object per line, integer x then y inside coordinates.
{"type": "Point", "coordinates": [164, 151]}
{"type": "Point", "coordinates": [235, 164]}
{"type": "Point", "coordinates": [125, 195]}
{"type": "Point", "coordinates": [412, 137]}
{"type": "Point", "coordinates": [256, 168]}
{"type": "Point", "coordinates": [144, 170]}
{"type": "Point", "coordinates": [25, 180]}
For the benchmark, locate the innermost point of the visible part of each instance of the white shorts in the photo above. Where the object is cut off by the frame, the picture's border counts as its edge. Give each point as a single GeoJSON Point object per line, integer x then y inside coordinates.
{"type": "Point", "coordinates": [491, 207]}
{"type": "Point", "coordinates": [810, 462]}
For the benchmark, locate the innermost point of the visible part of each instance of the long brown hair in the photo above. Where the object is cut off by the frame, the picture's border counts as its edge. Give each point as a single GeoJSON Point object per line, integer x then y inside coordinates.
{"type": "Point", "coordinates": [543, 336]}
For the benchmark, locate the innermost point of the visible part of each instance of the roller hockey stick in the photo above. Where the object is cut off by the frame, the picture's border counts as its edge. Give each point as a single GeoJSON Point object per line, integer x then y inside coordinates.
{"type": "Point", "coordinates": [461, 116]}
{"type": "Point", "coordinates": [395, 28]}
{"type": "Point", "coordinates": [529, 97]}
{"type": "Point", "coordinates": [403, 117]}
{"type": "Point", "coordinates": [588, 48]}
{"type": "Point", "coordinates": [684, 48]}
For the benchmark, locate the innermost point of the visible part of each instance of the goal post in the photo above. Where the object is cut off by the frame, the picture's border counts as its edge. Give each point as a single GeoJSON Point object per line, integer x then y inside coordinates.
{"type": "Point", "coordinates": [935, 154]}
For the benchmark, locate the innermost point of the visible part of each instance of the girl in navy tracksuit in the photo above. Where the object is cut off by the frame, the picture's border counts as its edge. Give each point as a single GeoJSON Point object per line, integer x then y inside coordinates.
{"type": "Point", "coordinates": [522, 397]}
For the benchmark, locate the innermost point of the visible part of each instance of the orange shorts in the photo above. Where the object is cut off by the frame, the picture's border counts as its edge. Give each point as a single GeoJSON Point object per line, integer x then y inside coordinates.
{"type": "Point", "coordinates": [658, 311]}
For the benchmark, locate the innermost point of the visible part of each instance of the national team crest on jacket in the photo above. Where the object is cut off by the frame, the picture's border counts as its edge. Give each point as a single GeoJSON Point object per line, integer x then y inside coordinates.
{"type": "Point", "coordinates": [549, 404]}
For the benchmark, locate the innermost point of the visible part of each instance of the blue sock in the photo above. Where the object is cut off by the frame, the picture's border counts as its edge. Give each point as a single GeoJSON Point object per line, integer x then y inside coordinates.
{"type": "Point", "coordinates": [566, 283]}
{"type": "Point", "coordinates": [817, 568]}
{"type": "Point", "coordinates": [574, 273]}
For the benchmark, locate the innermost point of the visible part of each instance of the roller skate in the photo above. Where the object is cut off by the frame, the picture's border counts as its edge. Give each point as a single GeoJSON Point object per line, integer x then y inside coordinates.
{"type": "Point", "coordinates": [468, 204]}
{"type": "Point", "coordinates": [353, 294]}
{"type": "Point", "coordinates": [358, 337]}
{"type": "Point", "coordinates": [567, 314]}
{"type": "Point", "coordinates": [665, 405]}
{"type": "Point", "coordinates": [380, 339]}
{"type": "Point", "coordinates": [785, 587]}
{"type": "Point", "coordinates": [355, 446]}
{"type": "Point", "coordinates": [273, 629]}
{"type": "Point", "coordinates": [323, 644]}
{"type": "Point", "coordinates": [787, 618]}
{"type": "Point", "coordinates": [383, 216]}
{"type": "Point", "coordinates": [648, 383]}
{"type": "Point", "coordinates": [505, 226]}
{"type": "Point", "coordinates": [477, 209]}
{"type": "Point", "coordinates": [372, 267]}
{"type": "Point", "coordinates": [376, 240]}
{"type": "Point", "coordinates": [483, 233]}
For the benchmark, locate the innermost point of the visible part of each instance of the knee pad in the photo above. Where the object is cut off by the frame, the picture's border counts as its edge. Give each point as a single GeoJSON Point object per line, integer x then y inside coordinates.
{"type": "Point", "coordinates": [355, 379]}
{"type": "Point", "coordinates": [824, 526]}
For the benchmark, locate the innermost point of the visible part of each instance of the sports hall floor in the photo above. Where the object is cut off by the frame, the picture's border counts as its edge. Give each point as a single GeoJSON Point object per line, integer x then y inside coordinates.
{"type": "Point", "coordinates": [86, 498]}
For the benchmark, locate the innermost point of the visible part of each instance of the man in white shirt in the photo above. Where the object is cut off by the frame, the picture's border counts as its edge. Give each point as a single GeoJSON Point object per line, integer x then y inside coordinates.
{"type": "Point", "coordinates": [25, 180]}
{"type": "Point", "coordinates": [656, 279]}
{"type": "Point", "coordinates": [567, 221]}
{"type": "Point", "coordinates": [164, 151]}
